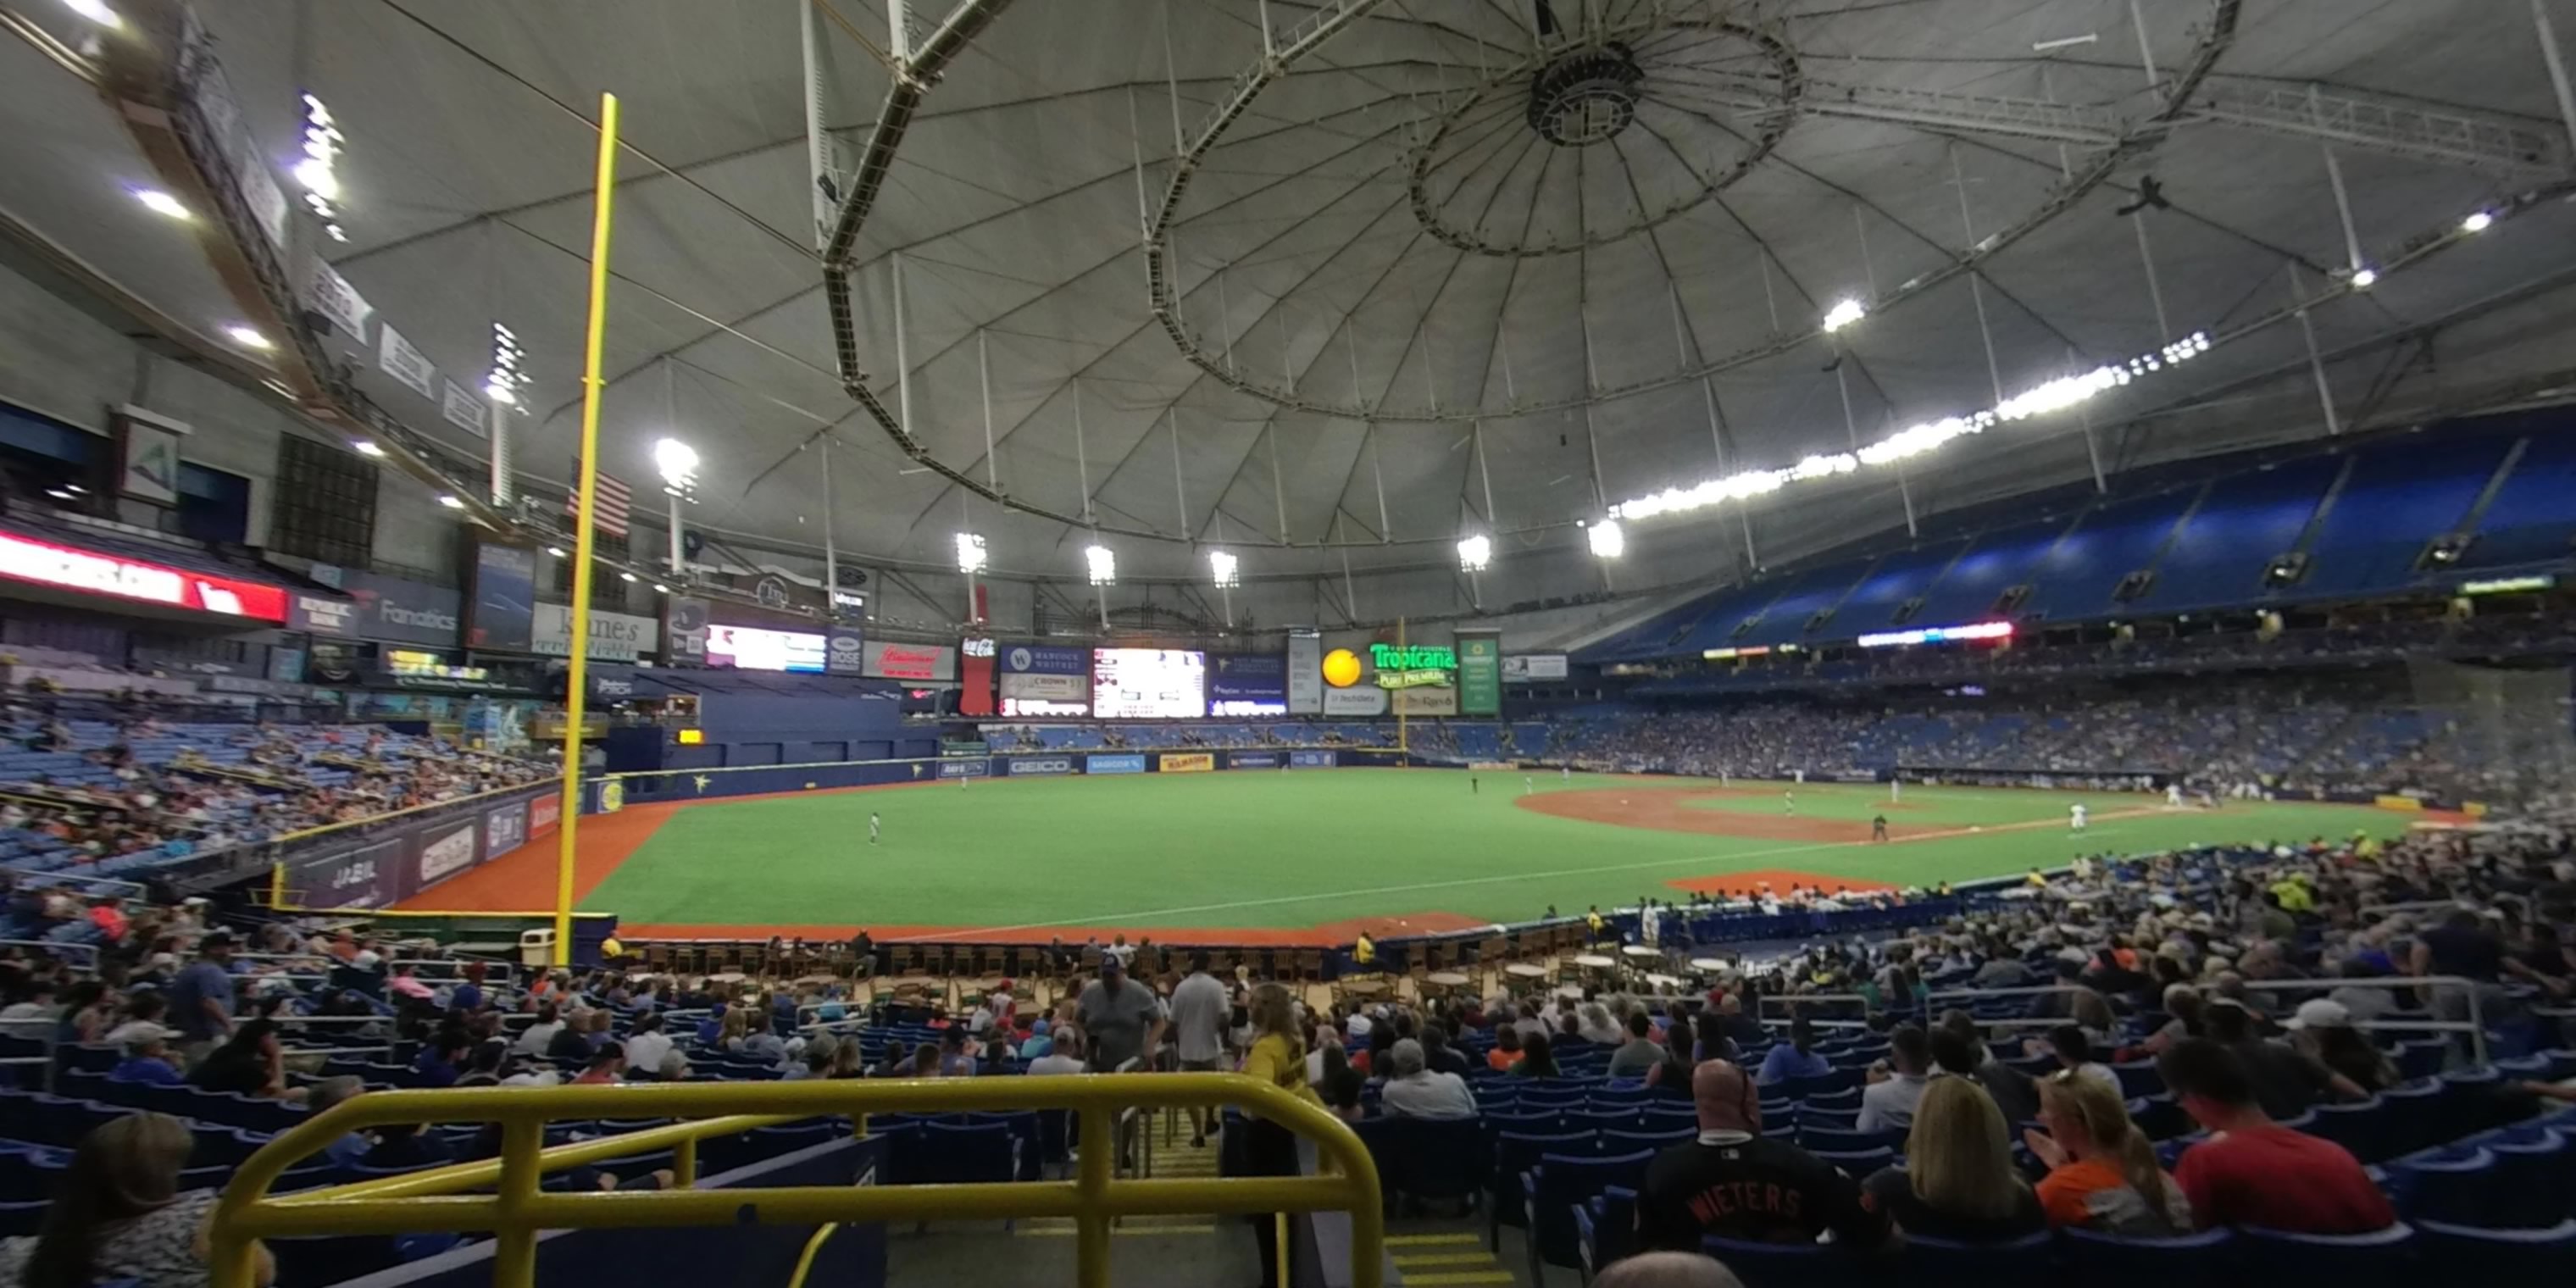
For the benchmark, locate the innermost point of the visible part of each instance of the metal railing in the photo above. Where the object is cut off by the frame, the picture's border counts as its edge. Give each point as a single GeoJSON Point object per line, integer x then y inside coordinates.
{"type": "Point", "coordinates": [435, 1201]}
{"type": "Point", "coordinates": [2474, 1026]}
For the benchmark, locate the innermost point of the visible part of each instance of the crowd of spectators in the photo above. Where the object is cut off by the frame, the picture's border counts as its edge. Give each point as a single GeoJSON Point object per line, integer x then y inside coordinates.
{"type": "Point", "coordinates": [2010, 1111]}
{"type": "Point", "coordinates": [2226, 735]}
{"type": "Point", "coordinates": [2342, 645]}
{"type": "Point", "coordinates": [85, 781]}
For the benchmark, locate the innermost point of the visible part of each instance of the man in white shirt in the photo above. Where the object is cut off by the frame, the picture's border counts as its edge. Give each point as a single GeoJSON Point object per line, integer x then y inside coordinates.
{"type": "Point", "coordinates": [1065, 1058]}
{"type": "Point", "coordinates": [646, 1046]}
{"type": "Point", "coordinates": [1199, 1009]}
{"type": "Point", "coordinates": [1416, 1092]}
{"type": "Point", "coordinates": [534, 1039]}
{"type": "Point", "coordinates": [1889, 1105]}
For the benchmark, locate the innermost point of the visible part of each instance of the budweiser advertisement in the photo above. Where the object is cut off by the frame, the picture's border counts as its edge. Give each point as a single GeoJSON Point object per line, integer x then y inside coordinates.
{"type": "Point", "coordinates": [910, 661]}
{"type": "Point", "coordinates": [96, 573]}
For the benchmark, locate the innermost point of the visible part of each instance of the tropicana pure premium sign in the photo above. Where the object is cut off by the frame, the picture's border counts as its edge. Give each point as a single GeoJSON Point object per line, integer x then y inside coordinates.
{"type": "Point", "coordinates": [1413, 666]}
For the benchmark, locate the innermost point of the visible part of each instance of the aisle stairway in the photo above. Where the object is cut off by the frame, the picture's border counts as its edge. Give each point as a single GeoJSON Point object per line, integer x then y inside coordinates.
{"type": "Point", "coordinates": [1193, 1251]}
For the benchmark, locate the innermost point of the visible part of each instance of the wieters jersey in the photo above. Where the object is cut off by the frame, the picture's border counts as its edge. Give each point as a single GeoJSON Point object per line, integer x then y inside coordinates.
{"type": "Point", "coordinates": [1765, 1191]}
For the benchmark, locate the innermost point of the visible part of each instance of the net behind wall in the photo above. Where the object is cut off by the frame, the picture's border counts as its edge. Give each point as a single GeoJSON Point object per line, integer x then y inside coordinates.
{"type": "Point", "coordinates": [2499, 733]}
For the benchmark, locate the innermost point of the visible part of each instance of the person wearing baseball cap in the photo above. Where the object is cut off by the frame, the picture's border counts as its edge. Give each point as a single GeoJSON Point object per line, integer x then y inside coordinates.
{"type": "Point", "coordinates": [2323, 1029]}
{"type": "Point", "coordinates": [1121, 1020]}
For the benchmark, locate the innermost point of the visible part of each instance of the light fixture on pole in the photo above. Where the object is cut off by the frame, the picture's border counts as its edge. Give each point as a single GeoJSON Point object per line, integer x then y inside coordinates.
{"type": "Point", "coordinates": [678, 463]}
{"type": "Point", "coordinates": [1101, 563]}
{"type": "Point", "coordinates": [96, 11]}
{"type": "Point", "coordinates": [2478, 221]}
{"type": "Point", "coordinates": [1608, 541]}
{"type": "Point", "coordinates": [1226, 570]}
{"type": "Point", "coordinates": [970, 553]}
{"type": "Point", "coordinates": [1843, 314]}
{"type": "Point", "coordinates": [502, 384]}
{"type": "Point", "coordinates": [1476, 553]}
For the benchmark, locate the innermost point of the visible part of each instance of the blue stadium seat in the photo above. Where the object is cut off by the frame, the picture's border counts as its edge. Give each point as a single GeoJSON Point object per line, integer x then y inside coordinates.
{"type": "Point", "coordinates": [1792, 1265]}
{"type": "Point", "coordinates": [1515, 1153]}
{"type": "Point", "coordinates": [1605, 1229]}
{"type": "Point", "coordinates": [2361, 1127]}
{"type": "Point", "coordinates": [1560, 1183]}
{"type": "Point", "coordinates": [1946, 1263]}
{"type": "Point", "coordinates": [2100, 1260]}
{"type": "Point", "coordinates": [2382, 1259]}
{"type": "Point", "coordinates": [1827, 1140]}
{"type": "Point", "coordinates": [2475, 1255]}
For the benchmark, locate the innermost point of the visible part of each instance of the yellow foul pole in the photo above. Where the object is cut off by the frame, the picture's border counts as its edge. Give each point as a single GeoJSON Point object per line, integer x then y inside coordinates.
{"type": "Point", "coordinates": [577, 677]}
{"type": "Point", "coordinates": [1403, 744]}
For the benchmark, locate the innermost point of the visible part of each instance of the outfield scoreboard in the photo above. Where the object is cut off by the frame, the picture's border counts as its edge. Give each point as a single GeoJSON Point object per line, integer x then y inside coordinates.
{"type": "Point", "coordinates": [1148, 684]}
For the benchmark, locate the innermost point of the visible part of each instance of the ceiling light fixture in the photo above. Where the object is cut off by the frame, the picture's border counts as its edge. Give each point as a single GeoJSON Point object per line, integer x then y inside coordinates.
{"type": "Point", "coordinates": [626, 576]}
{"type": "Point", "coordinates": [96, 12]}
{"type": "Point", "coordinates": [319, 171]}
{"type": "Point", "coordinates": [1609, 541]}
{"type": "Point", "coordinates": [970, 553]}
{"type": "Point", "coordinates": [2364, 278]}
{"type": "Point", "coordinates": [2063, 42]}
{"type": "Point", "coordinates": [451, 501]}
{"type": "Point", "coordinates": [248, 337]}
{"type": "Point", "coordinates": [1101, 563]}
{"type": "Point", "coordinates": [678, 463]}
{"type": "Point", "coordinates": [660, 588]}
{"type": "Point", "coordinates": [1843, 314]}
{"type": "Point", "coordinates": [1915, 440]}
{"type": "Point", "coordinates": [162, 203]}
{"type": "Point", "coordinates": [1476, 553]}
{"type": "Point", "coordinates": [2478, 221]}
{"type": "Point", "coordinates": [1225, 569]}
{"type": "Point", "coordinates": [366, 447]}
{"type": "Point", "coordinates": [556, 551]}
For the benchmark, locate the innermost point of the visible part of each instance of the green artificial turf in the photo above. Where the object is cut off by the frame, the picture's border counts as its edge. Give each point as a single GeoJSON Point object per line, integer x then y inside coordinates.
{"type": "Point", "coordinates": [1299, 848]}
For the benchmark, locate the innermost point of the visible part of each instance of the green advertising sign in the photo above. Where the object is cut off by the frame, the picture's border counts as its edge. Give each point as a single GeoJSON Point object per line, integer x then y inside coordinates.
{"type": "Point", "coordinates": [1480, 675]}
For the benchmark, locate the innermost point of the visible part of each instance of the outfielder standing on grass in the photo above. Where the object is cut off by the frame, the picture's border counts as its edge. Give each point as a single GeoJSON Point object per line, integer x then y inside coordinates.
{"type": "Point", "coordinates": [874, 826]}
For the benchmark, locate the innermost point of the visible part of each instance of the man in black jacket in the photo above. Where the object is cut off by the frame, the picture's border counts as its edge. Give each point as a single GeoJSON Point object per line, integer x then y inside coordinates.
{"type": "Point", "coordinates": [1735, 1183]}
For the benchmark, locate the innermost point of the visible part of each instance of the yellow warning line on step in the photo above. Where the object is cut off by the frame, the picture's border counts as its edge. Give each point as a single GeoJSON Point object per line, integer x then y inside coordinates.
{"type": "Point", "coordinates": [1429, 1240]}
{"type": "Point", "coordinates": [1446, 1259]}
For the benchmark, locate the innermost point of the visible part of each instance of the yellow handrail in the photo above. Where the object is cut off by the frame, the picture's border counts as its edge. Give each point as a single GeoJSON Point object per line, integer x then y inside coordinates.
{"type": "Point", "coordinates": [427, 1202]}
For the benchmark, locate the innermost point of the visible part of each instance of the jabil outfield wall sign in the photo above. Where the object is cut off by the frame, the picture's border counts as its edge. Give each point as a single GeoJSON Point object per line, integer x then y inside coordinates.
{"type": "Point", "coordinates": [1414, 666]}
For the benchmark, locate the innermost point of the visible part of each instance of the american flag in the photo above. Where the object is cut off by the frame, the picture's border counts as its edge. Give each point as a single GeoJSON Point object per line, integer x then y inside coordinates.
{"type": "Point", "coordinates": [614, 498]}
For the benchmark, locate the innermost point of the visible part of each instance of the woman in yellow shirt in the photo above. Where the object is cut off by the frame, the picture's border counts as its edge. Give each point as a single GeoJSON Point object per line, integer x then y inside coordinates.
{"type": "Point", "coordinates": [1265, 1148]}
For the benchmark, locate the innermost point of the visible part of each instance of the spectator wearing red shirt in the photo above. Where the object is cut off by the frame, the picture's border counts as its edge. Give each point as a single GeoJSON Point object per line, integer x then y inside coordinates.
{"type": "Point", "coordinates": [109, 917]}
{"type": "Point", "coordinates": [605, 1065]}
{"type": "Point", "coordinates": [2253, 1171]}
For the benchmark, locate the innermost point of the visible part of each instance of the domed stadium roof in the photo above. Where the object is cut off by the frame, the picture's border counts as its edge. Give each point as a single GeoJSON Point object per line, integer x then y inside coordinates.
{"type": "Point", "coordinates": [1351, 282]}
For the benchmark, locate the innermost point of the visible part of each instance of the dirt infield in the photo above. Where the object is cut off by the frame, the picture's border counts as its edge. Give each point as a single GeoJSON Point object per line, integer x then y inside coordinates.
{"type": "Point", "coordinates": [1670, 811]}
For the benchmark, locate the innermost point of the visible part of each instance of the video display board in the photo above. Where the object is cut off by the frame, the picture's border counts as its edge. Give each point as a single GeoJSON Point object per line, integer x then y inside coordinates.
{"type": "Point", "coordinates": [1148, 684]}
{"type": "Point", "coordinates": [754, 648]}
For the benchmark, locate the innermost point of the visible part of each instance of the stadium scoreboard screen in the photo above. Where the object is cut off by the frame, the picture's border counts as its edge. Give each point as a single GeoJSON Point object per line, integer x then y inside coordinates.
{"type": "Point", "coordinates": [752, 648]}
{"type": "Point", "coordinates": [1148, 684]}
